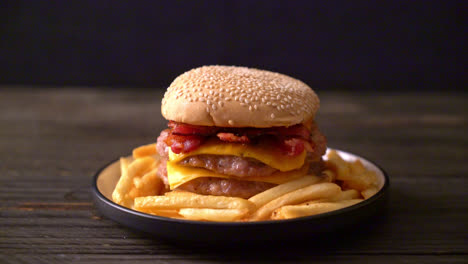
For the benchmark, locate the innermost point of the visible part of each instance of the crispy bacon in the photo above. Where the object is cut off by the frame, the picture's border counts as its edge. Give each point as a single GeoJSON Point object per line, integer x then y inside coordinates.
{"type": "Point", "coordinates": [230, 137]}
{"type": "Point", "coordinates": [293, 131]}
{"type": "Point", "coordinates": [291, 140]}
{"type": "Point", "coordinates": [184, 144]}
{"type": "Point", "coordinates": [298, 130]}
{"type": "Point", "coordinates": [186, 129]}
{"type": "Point", "coordinates": [292, 146]}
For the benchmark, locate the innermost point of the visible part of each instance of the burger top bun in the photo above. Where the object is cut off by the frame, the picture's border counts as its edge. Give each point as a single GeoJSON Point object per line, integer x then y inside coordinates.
{"type": "Point", "coordinates": [230, 96]}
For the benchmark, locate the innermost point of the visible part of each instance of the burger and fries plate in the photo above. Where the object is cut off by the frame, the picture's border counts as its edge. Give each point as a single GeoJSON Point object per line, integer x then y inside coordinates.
{"type": "Point", "coordinates": [219, 222]}
{"type": "Point", "coordinates": [242, 159]}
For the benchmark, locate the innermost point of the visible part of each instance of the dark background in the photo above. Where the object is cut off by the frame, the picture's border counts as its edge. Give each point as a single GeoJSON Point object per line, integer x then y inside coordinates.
{"type": "Point", "coordinates": [356, 45]}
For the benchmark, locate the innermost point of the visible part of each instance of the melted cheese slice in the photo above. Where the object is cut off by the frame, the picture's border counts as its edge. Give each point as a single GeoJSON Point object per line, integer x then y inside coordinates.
{"type": "Point", "coordinates": [289, 167]}
{"type": "Point", "coordinates": [264, 153]}
{"type": "Point", "coordinates": [178, 175]}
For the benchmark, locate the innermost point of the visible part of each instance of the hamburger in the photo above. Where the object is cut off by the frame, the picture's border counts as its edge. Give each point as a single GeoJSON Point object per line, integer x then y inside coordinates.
{"type": "Point", "coordinates": [237, 131]}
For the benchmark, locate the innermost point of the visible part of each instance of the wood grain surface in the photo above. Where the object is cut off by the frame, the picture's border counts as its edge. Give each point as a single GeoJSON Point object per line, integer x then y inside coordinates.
{"type": "Point", "coordinates": [52, 141]}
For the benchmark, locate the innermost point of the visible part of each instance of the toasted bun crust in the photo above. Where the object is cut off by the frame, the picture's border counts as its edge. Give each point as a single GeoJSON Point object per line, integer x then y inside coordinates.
{"type": "Point", "coordinates": [229, 96]}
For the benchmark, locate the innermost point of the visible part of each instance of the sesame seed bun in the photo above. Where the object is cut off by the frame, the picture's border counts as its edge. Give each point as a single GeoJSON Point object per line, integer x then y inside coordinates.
{"type": "Point", "coordinates": [230, 96]}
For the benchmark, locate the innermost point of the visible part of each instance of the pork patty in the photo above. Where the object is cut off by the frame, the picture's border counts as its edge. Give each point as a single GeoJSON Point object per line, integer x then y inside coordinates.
{"type": "Point", "coordinates": [225, 187]}
{"type": "Point", "coordinates": [229, 165]}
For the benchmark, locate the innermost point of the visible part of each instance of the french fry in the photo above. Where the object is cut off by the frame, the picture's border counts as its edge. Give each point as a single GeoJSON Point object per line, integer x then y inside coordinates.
{"type": "Point", "coordinates": [208, 214]}
{"type": "Point", "coordinates": [329, 176]}
{"type": "Point", "coordinates": [165, 213]}
{"type": "Point", "coordinates": [192, 201]}
{"type": "Point", "coordinates": [175, 193]}
{"type": "Point", "coordinates": [311, 192]}
{"type": "Point", "coordinates": [143, 151]}
{"type": "Point", "coordinates": [369, 192]}
{"type": "Point", "coordinates": [277, 191]}
{"type": "Point", "coordinates": [353, 174]}
{"type": "Point", "coordinates": [361, 177]}
{"type": "Point", "coordinates": [148, 185]}
{"type": "Point", "coordinates": [337, 164]}
{"type": "Point", "coordinates": [343, 195]}
{"type": "Point", "coordinates": [125, 184]}
{"type": "Point", "coordinates": [294, 211]}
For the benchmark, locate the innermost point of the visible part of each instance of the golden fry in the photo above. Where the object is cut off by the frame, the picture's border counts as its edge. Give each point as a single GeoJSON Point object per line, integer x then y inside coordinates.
{"type": "Point", "coordinates": [208, 214]}
{"type": "Point", "coordinates": [137, 168]}
{"type": "Point", "coordinates": [353, 174]}
{"type": "Point", "coordinates": [144, 151]}
{"type": "Point", "coordinates": [123, 185]}
{"type": "Point", "coordinates": [178, 193]}
{"type": "Point", "coordinates": [294, 211]}
{"type": "Point", "coordinates": [311, 192]}
{"type": "Point", "coordinates": [192, 201]}
{"type": "Point", "coordinates": [148, 185]}
{"type": "Point", "coordinates": [361, 177]}
{"type": "Point", "coordinates": [277, 191]}
{"type": "Point", "coordinates": [338, 165]}
{"type": "Point", "coordinates": [165, 213]}
{"type": "Point", "coordinates": [369, 192]}
{"type": "Point", "coordinates": [329, 176]}
{"type": "Point", "coordinates": [343, 195]}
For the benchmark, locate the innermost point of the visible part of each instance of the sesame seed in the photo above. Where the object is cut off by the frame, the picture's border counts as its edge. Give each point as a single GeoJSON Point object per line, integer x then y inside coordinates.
{"type": "Point", "coordinates": [227, 98]}
{"type": "Point", "coordinates": [255, 107]}
{"type": "Point", "coordinates": [202, 99]}
{"type": "Point", "coordinates": [272, 116]}
{"type": "Point", "coordinates": [230, 122]}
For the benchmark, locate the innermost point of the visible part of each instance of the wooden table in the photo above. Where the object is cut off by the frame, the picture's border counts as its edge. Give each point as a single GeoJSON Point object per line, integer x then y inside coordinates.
{"type": "Point", "coordinates": [52, 141]}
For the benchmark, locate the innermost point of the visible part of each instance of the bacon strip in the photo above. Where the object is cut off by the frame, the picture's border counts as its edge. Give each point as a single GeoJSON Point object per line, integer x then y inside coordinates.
{"type": "Point", "coordinates": [230, 137]}
{"type": "Point", "coordinates": [292, 146]}
{"type": "Point", "coordinates": [291, 140]}
{"type": "Point", "coordinates": [298, 130]}
{"type": "Point", "coordinates": [184, 144]}
{"type": "Point", "coordinates": [186, 129]}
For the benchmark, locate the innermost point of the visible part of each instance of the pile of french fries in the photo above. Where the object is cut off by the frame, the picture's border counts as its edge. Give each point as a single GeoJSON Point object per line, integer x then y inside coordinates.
{"type": "Point", "coordinates": [342, 184]}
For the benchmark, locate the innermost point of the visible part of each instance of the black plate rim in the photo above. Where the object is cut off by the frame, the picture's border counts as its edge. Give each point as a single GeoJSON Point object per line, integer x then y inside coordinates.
{"type": "Point", "coordinates": [380, 194]}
